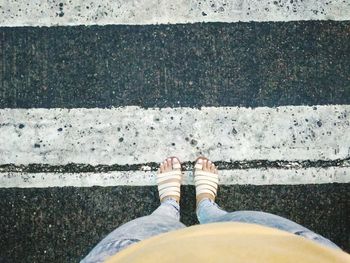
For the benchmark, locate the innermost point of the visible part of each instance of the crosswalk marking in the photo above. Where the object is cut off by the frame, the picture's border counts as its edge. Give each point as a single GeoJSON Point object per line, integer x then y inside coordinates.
{"type": "Point", "coordinates": [142, 178]}
{"type": "Point", "coordinates": [133, 135]}
{"type": "Point", "coordinates": [63, 13]}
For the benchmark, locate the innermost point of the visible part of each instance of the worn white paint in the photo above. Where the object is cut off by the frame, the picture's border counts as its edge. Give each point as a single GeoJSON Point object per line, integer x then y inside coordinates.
{"type": "Point", "coordinates": [142, 178]}
{"type": "Point", "coordinates": [133, 135]}
{"type": "Point", "coordinates": [136, 12]}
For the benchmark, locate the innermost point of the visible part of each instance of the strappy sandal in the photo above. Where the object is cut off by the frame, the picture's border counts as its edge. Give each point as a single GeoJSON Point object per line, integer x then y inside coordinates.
{"type": "Point", "coordinates": [169, 183]}
{"type": "Point", "coordinates": [206, 182]}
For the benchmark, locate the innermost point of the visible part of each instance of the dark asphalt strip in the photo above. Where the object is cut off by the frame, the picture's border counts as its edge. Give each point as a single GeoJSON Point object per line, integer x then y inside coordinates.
{"type": "Point", "coordinates": [63, 224]}
{"type": "Point", "coordinates": [187, 166]}
{"type": "Point", "coordinates": [193, 65]}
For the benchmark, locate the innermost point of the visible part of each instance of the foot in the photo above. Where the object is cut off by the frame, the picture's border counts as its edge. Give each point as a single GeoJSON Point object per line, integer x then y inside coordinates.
{"type": "Point", "coordinates": [169, 179]}
{"type": "Point", "coordinates": [206, 179]}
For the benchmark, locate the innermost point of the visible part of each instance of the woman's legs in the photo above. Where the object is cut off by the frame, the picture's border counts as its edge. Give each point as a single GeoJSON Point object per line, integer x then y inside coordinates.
{"type": "Point", "coordinates": [209, 212]}
{"type": "Point", "coordinates": [164, 219]}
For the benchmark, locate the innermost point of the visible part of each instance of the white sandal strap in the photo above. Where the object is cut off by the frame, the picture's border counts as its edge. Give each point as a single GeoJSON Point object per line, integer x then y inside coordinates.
{"type": "Point", "coordinates": [167, 193]}
{"type": "Point", "coordinates": [167, 185]}
{"type": "Point", "coordinates": [169, 174]}
{"type": "Point", "coordinates": [201, 172]}
{"type": "Point", "coordinates": [205, 182]}
{"type": "Point", "coordinates": [207, 178]}
{"type": "Point", "coordinates": [202, 182]}
{"type": "Point", "coordinates": [205, 191]}
{"type": "Point", "coordinates": [206, 187]}
{"type": "Point", "coordinates": [165, 178]}
{"type": "Point", "coordinates": [171, 188]}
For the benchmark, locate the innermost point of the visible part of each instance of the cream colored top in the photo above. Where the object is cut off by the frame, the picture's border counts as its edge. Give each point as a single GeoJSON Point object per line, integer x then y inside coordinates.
{"type": "Point", "coordinates": [229, 242]}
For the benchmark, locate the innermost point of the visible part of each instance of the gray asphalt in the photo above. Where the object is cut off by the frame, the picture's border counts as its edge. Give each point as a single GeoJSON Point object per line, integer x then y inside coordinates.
{"type": "Point", "coordinates": [63, 224]}
{"type": "Point", "coordinates": [192, 65]}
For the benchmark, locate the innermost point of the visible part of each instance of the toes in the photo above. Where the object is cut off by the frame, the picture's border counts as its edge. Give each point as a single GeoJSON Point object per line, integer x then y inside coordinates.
{"type": "Point", "coordinates": [165, 166]}
{"type": "Point", "coordinates": [200, 163]}
{"type": "Point", "coordinates": [212, 167]}
{"type": "Point", "coordinates": [176, 163]}
{"type": "Point", "coordinates": [205, 165]}
{"type": "Point", "coordinates": [169, 164]}
{"type": "Point", "coordinates": [209, 165]}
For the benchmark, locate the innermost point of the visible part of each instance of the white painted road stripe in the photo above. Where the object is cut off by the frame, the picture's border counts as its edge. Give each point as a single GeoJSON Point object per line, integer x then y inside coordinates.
{"type": "Point", "coordinates": [133, 135]}
{"type": "Point", "coordinates": [79, 12]}
{"type": "Point", "coordinates": [270, 176]}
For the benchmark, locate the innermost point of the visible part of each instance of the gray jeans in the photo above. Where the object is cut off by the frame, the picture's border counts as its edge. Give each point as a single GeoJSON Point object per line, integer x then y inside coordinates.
{"type": "Point", "coordinates": [166, 218]}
